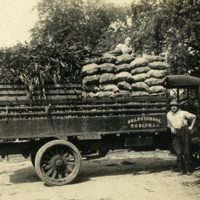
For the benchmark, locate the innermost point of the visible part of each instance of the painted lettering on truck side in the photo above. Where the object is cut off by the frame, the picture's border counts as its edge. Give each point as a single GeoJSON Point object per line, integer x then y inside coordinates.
{"type": "Point", "coordinates": [145, 122]}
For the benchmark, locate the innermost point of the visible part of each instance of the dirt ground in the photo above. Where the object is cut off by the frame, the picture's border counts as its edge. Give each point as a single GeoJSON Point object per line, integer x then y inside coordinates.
{"type": "Point", "coordinates": [121, 175]}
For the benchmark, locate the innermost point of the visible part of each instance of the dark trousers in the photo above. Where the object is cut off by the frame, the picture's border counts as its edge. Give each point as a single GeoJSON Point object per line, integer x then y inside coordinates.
{"type": "Point", "coordinates": [182, 145]}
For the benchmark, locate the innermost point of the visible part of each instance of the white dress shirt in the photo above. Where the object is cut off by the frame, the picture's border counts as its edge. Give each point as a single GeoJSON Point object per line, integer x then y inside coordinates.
{"type": "Point", "coordinates": [179, 119]}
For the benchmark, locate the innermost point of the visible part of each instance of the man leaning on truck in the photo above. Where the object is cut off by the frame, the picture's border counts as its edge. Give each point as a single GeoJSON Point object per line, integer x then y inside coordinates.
{"type": "Point", "coordinates": [178, 123]}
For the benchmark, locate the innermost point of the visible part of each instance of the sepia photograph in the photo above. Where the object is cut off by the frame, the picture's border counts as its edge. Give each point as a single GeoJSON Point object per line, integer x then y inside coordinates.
{"type": "Point", "coordinates": [100, 99]}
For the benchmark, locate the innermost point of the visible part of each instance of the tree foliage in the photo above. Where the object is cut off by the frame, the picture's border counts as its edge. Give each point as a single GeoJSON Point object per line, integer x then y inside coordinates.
{"type": "Point", "coordinates": [65, 34]}
{"type": "Point", "coordinates": [35, 65]}
{"type": "Point", "coordinates": [165, 26]}
{"type": "Point", "coordinates": [173, 27]}
{"type": "Point", "coordinates": [75, 20]}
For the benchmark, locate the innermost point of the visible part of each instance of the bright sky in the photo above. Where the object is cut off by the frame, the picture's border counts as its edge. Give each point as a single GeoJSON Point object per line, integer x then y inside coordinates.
{"type": "Point", "coordinates": [17, 18]}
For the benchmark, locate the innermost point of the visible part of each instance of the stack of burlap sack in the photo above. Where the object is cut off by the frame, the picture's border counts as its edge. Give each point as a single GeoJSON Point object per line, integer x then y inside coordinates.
{"type": "Point", "coordinates": [126, 76]}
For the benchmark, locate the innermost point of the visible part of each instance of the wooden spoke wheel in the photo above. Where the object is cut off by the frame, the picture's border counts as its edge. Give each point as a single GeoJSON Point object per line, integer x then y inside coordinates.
{"type": "Point", "coordinates": [58, 162]}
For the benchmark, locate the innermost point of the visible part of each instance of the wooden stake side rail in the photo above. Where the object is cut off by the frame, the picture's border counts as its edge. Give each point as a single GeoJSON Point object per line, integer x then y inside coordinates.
{"type": "Point", "coordinates": [84, 113]}
{"type": "Point", "coordinates": [17, 94]}
{"type": "Point", "coordinates": [25, 100]}
{"type": "Point", "coordinates": [39, 92]}
{"type": "Point", "coordinates": [71, 99]}
{"type": "Point", "coordinates": [66, 100]}
{"type": "Point", "coordinates": [84, 106]}
{"type": "Point", "coordinates": [66, 85]}
{"type": "Point", "coordinates": [68, 93]}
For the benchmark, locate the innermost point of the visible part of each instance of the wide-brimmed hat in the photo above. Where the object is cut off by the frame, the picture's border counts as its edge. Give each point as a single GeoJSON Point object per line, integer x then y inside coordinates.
{"type": "Point", "coordinates": [174, 103]}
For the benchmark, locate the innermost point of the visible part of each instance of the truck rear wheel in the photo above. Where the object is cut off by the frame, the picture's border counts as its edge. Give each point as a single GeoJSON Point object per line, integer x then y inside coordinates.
{"type": "Point", "coordinates": [58, 162]}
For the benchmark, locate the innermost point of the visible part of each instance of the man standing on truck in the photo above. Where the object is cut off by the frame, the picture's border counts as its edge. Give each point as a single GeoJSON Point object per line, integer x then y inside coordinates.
{"type": "Point", "coordinates": [181, 123]}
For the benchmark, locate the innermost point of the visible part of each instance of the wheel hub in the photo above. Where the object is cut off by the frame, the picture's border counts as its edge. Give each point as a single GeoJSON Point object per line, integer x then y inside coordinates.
{"type": "Point", "coordinates": [57, 162]}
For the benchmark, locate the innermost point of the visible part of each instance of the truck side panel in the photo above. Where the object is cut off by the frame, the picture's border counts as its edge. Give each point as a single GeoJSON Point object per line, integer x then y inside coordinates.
{"type": "Point", "coordinates": [78, 126]}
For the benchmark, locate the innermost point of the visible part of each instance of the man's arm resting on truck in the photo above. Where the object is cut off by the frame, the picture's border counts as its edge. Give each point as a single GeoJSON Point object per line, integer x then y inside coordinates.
{"type": "Point", "coordinates": [191, 117]}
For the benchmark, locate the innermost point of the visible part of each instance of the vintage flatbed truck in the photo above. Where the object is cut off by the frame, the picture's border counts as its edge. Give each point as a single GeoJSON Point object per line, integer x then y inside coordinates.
{"type": "Point", "coordinates": [58, 127]}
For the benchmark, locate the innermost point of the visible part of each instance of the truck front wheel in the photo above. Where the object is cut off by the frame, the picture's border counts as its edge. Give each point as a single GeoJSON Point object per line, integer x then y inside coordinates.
{"type": "Point", "coordinates": [58, 162]}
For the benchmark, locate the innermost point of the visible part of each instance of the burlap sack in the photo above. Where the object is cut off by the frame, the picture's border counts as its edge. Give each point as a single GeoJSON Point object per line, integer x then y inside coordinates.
{"type": "Point", "coordinates": [123, 85]}
{"type": "Point", "coordinates": [84, 95]}
{"type": "Point", "coordinates": [158, 65]}
{"type": "Point", "coordinates": [122, 68]}
{"type": "Point", "coordinates": [105, 94]}
{"type": "Point", "coordinates": [90, 69]}
{"type": "Point", "coordinates": [124, 76]}
{"type": "Point", "coordinates": [114, 52]}
{"type": "Point", "coordinates": [109, 87]}
{"type": "Point", "coordinates": [140, 86]}
{"type": "Point", "coordinates": [108, 58]}
{"type": "Point", "coordinates": [91, 88]}
{"type": "Point", "coordinates": [152, 58]}
{"type": "Point", "coordinates": [125, 58]}
{"type": "Point", "coordinates": [96, 60]}
{"type": "Point", "coordinates": [107, 68]}
{"type": "Point", "coordinates": [90, 95]}
{"type": "Point", "coordinates": [87, 95]}
{"type": "Point", "coordinates": [139, 93]}
{"type": "Point", "coordinates": [138, 62]}
{"type": "Point", "coordinates": [140, 77]}
{"type": "Point", "coordinates": [154, 81]}
{"type": "Point", "coordinates": [157, 89]}
{"type": "Point", "coordinates": [123, 93]}
{"type": "Point", "coordinates": [156, 73]}
{"type": "Point", "coordinates": [107, 78]}
{"type": "Point", "coordinates": [90, 79]}
{"type": "Point", "coordinates": [140, 70]}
